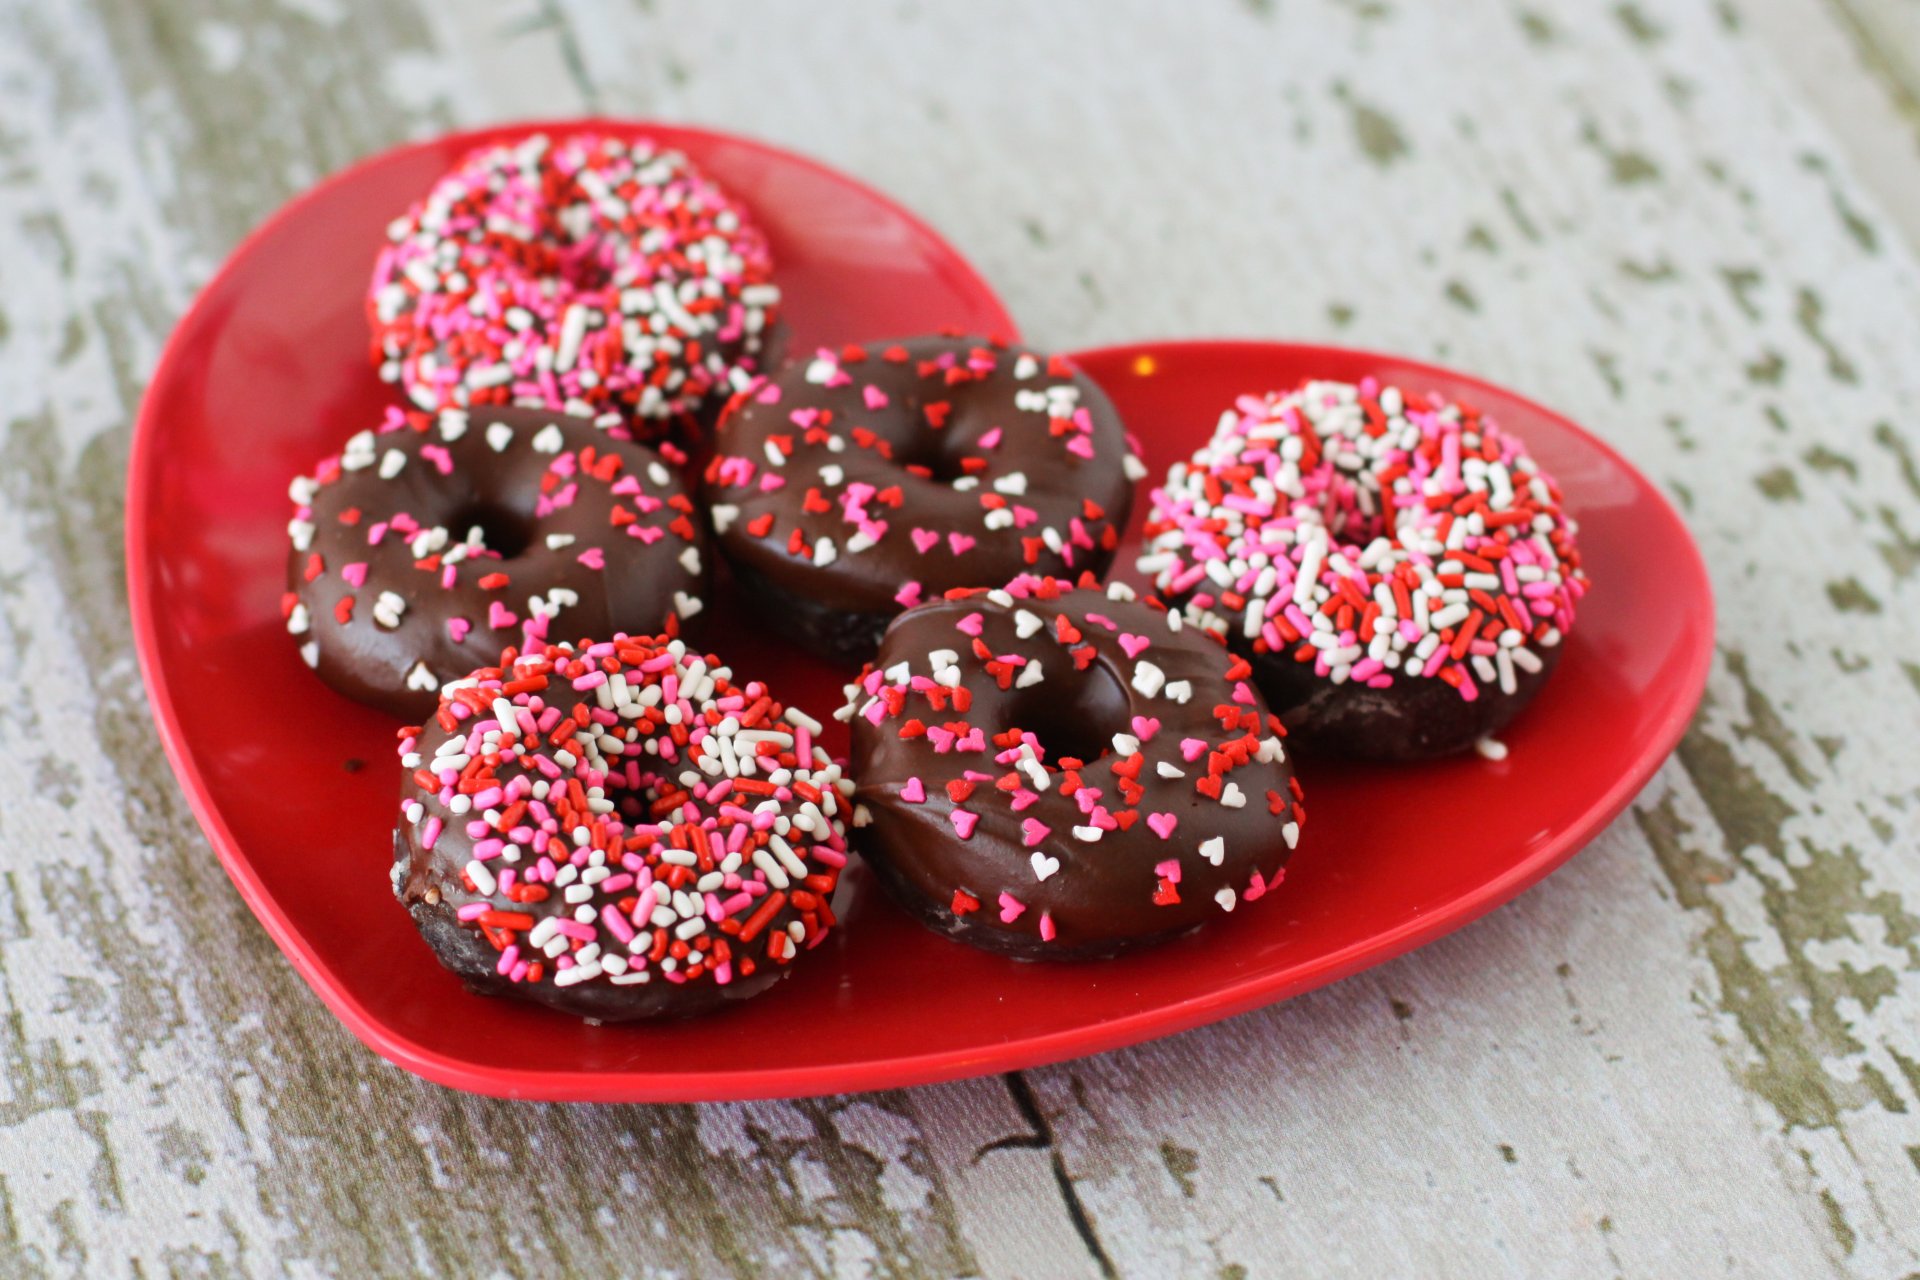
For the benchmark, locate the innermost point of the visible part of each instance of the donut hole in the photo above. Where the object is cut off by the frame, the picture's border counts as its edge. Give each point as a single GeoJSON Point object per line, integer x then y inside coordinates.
{"type": "Point", "coordinates": [504, 531]}
{"type": "Point", "coordinates": [1077, 722]}
{"type": "Point", "coordinates": [933, 458]}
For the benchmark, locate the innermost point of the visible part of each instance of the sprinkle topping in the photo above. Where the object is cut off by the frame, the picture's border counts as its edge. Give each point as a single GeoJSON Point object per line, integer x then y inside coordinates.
{"type": "Point", "coordinates": [1373, 534]}
{"type": "Point", "coordinates": [587, 275]}
{"type": "Point", "coordinates": [622, 812]}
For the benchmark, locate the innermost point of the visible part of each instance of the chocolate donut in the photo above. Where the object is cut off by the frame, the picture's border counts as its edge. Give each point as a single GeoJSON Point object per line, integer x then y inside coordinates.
{"type": "Point", "coordinates": [587, 275]}
{"type": "Point", "coordinates": [433, 542]}
{"type": "Point", "coordinates": [1059, 772]}
{"type": "Point", "coordinates": [855, 483]}
{"type": "Point", "coordinates": [618, 830]}
{"type": "Point", "coordinates": [1398, 569]}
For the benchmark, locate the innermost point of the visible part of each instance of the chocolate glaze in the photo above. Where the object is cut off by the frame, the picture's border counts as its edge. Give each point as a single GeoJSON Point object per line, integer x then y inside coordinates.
{"type": "Point", "coordinates": [1108, 895]}
{"type": "Point", "coordinates": [914, 467]}
{"type": "Point", "coordinates": [544, 490]}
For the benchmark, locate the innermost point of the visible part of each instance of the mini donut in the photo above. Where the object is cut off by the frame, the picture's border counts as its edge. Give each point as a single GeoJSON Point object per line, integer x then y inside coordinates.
{"type": "Point", "coordinates": [854, 483]}
{"type": "Point", "coordinates": [435, 541]}
{"type": "Point", "coordinates": [1060, 772]}
{"type": "Point", "coordinates": [618, 830]}
{"type": "Point", "coordinates": [1398, 568]}
{"type": "Point", "coordinates": [587, 275]}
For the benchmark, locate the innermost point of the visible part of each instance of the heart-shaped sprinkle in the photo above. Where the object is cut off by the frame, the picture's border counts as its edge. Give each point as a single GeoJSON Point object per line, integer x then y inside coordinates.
{"type": "Point", "coordinates": [874, 396]}
{"type": "Point", "coordinates": [960, 542]}
{"type": "Point", "coordinates": [924, 540]}
{"type": "Point", "coordinates": [1162, 824]}
{"type": "Point", "coordinates": [355, 574]}
{"type": "Point", "coordinates": [970, 624]}
{"type": "Point", "coordinates": [499, 617]}
{"type": "Point", "coordinates": [1213, 849]}
{"type": "Point", "coordinates": [1144, 727]}
{"type": "Point", "coordinates": [457, 629]}
{"type": "Point", "coordinates": [1134, 645]}
{"type": "Point", "coordinates": [964, 822]}
{"type": "Point", "coordinates": [1168, 870]}
{"type": "Point", "coordinates": [1046, 927]}
{"type": "Point", "coordinates": [1192, 749]}
{"type": "Point", "coordinates": [1043, 866]}
{"type": "Point", "coordinates": [915, 792]}
{"type": "Point", "coordinates": [1026, 624]}
{"type": "Point", "coordinates": [1033, 831]}
{"type": "Point", "coordinates": [908, 595]}
{"type": "Point", "coordinates": [593, 558]}
{"type": "Point", "coordinates": [1011, 908]}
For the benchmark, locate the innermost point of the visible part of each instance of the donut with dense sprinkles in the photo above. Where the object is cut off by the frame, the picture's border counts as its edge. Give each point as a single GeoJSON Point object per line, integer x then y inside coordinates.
{"type": "Point", "coordinates": [587, 274]}
{"type": "Point", "coordinates": [435, 541]}
{"type": "Point", "coordinates": [856, 482]}
{"type": "Point", "coordinates": [619, 830]}
{"type": "Point", "coordinates": [1397, 567]}
{"type": "Point", "coordinates": [1060, 772]}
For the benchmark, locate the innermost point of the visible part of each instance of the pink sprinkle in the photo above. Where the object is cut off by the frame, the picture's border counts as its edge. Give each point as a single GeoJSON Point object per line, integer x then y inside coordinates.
{"type": "Point", "coordinates": [1168, 870]}
{"type": "Point", "coordinates": [355, 573]}
{"type": "Point", "coordinates": [1011, 908]}
{"type": "Point", "coordinates": [964, 821]}
{"type": "Point", "coordinates": [1134, 645]}
{"type": "Point", "coordinates": [1144, 727]}
{"type": "Point", "coordinates": [924, 540]}
{"type": "Point", "coordinates": [913, 792]}
{"type": "Point", "coordinates": [970, 624]}
{"type": "Point", "coordinates": [908, 596]}
{"type": "Point", "coordinates": [874, 396]}
{"type": "Point", "coordinates": [1081, 445]}
{"type": "Point", "coordinates": [960, 542]}
{"type": "Point", "coordinates": [1046, 927]}
{"type": "Point", "coordinates": [1192, 749]}
{"type": "Point", "coordinates": [593, 558]}
{"type": "Point", "coordinates": [990, 439]}
{"type": "Point", "coordinates": [1033, 831]}
{"type": "Point", "coordinates": [1163, 824]}
{"type": "Point", "coordinates": [499, 617]}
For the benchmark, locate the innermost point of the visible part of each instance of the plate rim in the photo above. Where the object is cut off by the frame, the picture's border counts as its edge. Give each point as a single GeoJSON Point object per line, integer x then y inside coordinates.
{"type": "Point", "coordinates": [562, 1084]}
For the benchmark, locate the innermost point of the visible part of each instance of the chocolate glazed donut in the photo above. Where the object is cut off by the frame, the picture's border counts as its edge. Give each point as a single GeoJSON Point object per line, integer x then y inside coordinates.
{"type": "Point", "coordinates": [1397, 568]}
{"type": "Point", "coordinates": [855, 483]}
{"type": "Point", "coordinates": [1054, 772]}
{"type": "Point", "coordinates": [436, 541]}
{"type": "Point", "coordinates": [617, 830]}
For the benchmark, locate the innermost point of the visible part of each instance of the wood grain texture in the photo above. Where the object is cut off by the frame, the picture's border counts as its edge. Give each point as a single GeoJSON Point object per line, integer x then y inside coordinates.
{"type": "Point", "coordinates": [1694, 1051]}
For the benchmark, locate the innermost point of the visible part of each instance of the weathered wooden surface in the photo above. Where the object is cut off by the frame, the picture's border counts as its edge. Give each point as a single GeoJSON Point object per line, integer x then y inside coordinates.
{"type": "Point", "coordinates": [1694, 1051]}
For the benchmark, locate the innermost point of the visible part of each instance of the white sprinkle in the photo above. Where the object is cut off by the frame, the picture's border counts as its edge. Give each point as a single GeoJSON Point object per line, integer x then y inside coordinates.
{"type": "Point", "coordinates": [1148, 678]}
{"type": "Point", "coordinates": [1213, 849]}
{"type": "Point", "coordinates": [1491, 748]}
{"type": "Point", "coordinates": [548, 439]}
{"type": "Point", "coordinates": [499, 436]}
